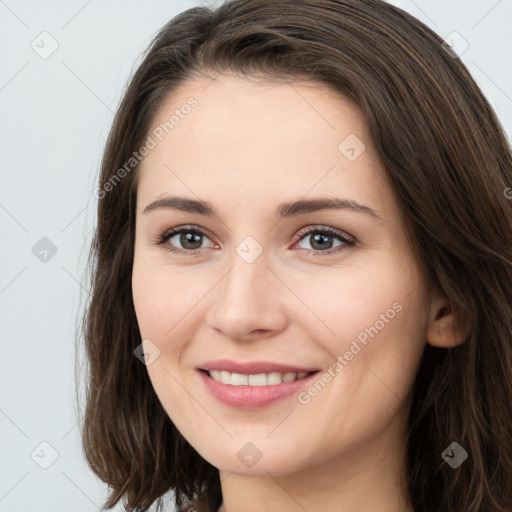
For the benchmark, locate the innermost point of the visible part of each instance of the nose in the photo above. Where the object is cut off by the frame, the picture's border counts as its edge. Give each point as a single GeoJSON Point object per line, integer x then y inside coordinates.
{"type": "Point", "coordinates": [247, 302]}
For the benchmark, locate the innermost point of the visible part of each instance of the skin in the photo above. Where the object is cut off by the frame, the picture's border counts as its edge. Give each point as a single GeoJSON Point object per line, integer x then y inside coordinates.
{"type": "Point", "coordinates": [247, 147]}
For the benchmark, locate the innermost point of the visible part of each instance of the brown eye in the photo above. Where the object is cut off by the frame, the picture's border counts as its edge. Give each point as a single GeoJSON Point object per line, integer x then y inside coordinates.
{"type": "Point", "coordinates": [322, 240]}
{"type": "Point", "coordinates": [188, 240]}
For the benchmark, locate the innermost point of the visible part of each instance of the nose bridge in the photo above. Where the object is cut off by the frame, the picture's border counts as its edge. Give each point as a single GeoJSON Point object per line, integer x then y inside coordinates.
{"type": "Point", "coordinates": [247, 274]}
{"type": "Point", "coordinates": [245, 300]}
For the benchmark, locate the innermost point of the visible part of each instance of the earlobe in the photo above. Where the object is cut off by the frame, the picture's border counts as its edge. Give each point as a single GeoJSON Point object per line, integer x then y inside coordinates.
{"type": "Point", "coordinates": [445, 328]}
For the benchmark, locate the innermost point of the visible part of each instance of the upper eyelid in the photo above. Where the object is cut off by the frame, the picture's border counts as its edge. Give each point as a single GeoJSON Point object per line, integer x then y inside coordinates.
{"type": "Point", "coordinates": [320, 227]}
{"type": "Point", "coordinates": [189, 227]}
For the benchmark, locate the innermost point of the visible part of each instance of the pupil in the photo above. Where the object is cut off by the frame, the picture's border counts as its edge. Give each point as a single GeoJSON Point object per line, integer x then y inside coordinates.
{"type": "Point", "coordinates": [189, 237]}
{"type": "Point", "coordinates": [316, 238]}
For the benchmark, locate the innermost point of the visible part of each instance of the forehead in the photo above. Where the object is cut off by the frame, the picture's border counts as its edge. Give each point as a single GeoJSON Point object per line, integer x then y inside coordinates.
{"type": "Point", "coordinates": [262, 110]}
{"type": "Point", "coordinates": [255, 139]}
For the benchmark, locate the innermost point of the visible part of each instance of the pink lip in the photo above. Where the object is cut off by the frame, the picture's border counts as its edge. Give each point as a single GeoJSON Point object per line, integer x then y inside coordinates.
{"type": "Point", "coordinates": [252, 397]}
{"type": "Point", "coordinates": [252, 368]}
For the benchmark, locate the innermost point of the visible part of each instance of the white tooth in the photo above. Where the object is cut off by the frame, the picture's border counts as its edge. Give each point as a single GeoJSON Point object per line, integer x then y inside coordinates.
{"type": "Point", "coordinates": [237, 379]}
{"type": "Point", "coordinates": [274, 378]}
{"type": "Point", "coordinates": [259, 379]}
{"type": "Point", "coordinates": [215, 374]}
{"type": "Point", "coordinates": [225, 377]}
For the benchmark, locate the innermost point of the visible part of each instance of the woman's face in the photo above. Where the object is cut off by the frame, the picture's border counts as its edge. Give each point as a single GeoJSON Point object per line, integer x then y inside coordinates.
{"type": "Point", "coordinates": [257, 281]}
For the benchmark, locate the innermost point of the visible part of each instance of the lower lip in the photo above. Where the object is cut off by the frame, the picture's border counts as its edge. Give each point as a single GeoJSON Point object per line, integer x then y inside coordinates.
{"type": "Point", "coordinates": [252, 397]}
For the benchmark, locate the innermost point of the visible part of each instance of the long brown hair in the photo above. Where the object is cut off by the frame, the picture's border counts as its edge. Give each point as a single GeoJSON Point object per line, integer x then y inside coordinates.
{"type": "Point", "coordinates": [449, 164]}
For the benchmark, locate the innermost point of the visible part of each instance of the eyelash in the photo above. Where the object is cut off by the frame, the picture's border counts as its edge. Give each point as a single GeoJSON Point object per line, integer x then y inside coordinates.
{"type": "Point", "coordinates": [163, 237]}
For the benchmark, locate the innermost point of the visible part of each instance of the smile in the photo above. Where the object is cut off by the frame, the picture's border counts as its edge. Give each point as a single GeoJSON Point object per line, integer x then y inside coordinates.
{"type": "Point", "coordinates": [259, 379]}
{"type": "Point", "coordinates": [253, 391]}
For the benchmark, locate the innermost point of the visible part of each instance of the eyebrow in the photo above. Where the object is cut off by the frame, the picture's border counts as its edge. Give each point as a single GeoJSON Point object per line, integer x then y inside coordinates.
{"type": "Point", "coordinates": [284, 210]}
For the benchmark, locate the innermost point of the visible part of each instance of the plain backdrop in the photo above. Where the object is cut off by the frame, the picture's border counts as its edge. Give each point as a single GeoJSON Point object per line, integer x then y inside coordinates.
{"type": "Point", "coordinates": [56, 111]}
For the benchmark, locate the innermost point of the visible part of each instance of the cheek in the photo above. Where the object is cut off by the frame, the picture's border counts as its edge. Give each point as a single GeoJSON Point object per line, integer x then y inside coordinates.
{"type": "Point", "coordinates": [169, 311]}
{"type": "Point", "coordinates": [345, 301]}
{"type": "Point", "coordinates": [374, 317]}
{"type": "Point", "coordinates": [161, 311]}
{"type": "Point", "coordinates": [160, 299]}
{"type": "Point", "coordinates": [148, 309]}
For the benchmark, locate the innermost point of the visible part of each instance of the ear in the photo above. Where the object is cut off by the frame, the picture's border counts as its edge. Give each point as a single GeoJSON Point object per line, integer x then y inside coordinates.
{"type": "Point", "coordinates": [446, 329]}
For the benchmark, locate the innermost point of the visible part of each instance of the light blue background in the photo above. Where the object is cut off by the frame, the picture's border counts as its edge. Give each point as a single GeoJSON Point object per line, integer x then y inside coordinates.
{"type": "Point", "coordinates": [56, 113]}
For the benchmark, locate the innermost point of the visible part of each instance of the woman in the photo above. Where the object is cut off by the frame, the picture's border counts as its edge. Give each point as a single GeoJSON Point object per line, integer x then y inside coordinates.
{"type": "Point", "coordinates": [338, 335]}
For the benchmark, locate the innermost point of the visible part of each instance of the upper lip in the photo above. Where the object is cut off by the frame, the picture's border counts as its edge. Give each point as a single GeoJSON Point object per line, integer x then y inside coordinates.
{"type": "Point", "coordinates": [252, 367]}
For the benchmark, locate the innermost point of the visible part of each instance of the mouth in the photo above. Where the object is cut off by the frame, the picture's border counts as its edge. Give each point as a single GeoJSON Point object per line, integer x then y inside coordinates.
{"type": "Point", "coordinates": [254, 391]}
{"type": "Point", "coordinates": [257, 379]}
